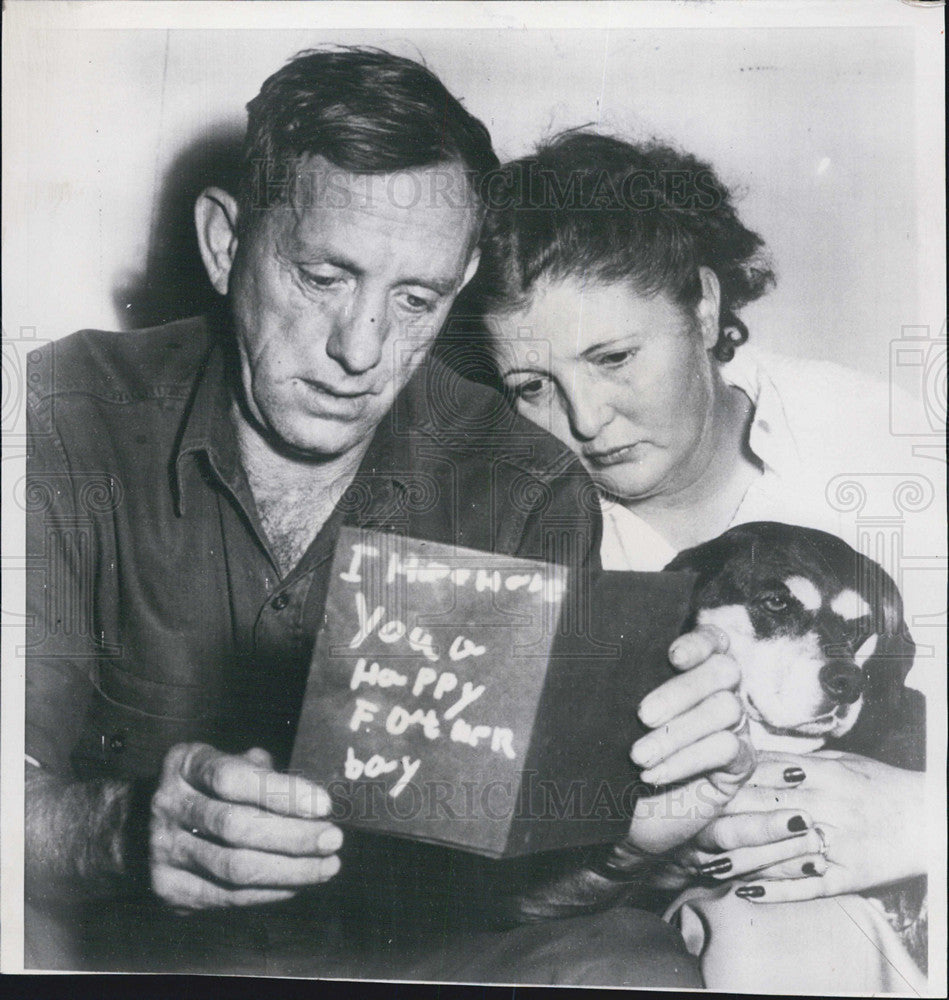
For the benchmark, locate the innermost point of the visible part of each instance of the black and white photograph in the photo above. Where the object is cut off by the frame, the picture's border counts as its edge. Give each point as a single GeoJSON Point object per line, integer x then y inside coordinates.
{"type": "Point", "coordinates": [474, 493]}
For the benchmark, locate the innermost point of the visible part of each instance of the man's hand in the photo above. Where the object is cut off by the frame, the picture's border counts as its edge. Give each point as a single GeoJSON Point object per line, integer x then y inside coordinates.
{"type": "Point", "coordinates": [231, 831]}
{"type": "Point", "coordinates": [697, 733]}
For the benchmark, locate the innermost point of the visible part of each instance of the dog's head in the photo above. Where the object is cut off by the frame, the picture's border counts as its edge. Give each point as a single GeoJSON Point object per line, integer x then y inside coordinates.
{"type": "Point", "coordinates": [816, 627]}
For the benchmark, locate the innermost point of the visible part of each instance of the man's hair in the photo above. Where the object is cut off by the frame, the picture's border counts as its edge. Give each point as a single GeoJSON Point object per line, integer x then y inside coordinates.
{"type": "Point", "coordinates": [602, 210]}
{"type": "Point", "coordinates": [363, 109]}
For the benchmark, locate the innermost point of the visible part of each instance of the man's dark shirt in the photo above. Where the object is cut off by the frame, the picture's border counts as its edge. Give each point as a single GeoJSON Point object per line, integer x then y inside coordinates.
{"type": "Point", "coordinates": [158, 612]}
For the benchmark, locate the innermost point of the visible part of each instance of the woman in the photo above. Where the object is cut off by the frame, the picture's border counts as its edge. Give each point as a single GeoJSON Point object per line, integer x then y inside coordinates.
{"type": "Point", "coordinates": [611, 280]}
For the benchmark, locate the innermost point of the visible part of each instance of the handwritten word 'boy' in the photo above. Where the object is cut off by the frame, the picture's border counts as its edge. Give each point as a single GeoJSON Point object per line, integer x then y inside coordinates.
{"type": "Point", "coordinates": [377, 766]}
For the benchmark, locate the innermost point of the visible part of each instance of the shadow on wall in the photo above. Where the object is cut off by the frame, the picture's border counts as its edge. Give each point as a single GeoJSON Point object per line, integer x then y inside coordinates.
{"type": "Point", "coordinates": [174, 284]}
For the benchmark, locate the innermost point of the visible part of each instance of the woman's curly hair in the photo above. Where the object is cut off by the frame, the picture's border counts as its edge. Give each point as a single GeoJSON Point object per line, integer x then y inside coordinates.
{"type": "Point", "coordinates": [603, 210]}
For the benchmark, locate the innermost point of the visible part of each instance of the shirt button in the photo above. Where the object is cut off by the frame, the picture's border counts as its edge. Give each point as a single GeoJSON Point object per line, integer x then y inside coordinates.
{"type": "Point", "coordinates": [116, 742]}
{"type": "Point", "coordinates": [280, 602]}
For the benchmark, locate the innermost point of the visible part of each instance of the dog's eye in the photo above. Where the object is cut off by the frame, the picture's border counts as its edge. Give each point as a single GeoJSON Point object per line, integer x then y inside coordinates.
{"type": "Point", "coordinates": [774, 603]}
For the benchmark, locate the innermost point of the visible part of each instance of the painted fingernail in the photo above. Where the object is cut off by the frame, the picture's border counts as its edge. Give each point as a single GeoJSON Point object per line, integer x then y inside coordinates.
{"type": "Point", "coordinates": [797, 824]}
{"type": "Point", "coordinates": [809, 868]}
{"type": "Point", "coordinates": [717, 867]}
{"type": "Point", "coordinates": [794, 775]}
{"type": "Point", "coordinates": [750, 891]}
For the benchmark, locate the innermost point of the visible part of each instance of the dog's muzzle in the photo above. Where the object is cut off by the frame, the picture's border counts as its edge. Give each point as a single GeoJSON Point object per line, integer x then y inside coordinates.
{"type": "Point", "coordinates": [842, 681]}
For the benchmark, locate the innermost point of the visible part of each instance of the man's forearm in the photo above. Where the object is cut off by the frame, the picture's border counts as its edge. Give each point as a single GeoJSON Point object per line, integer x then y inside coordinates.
{"type": "Point", "coordinates": [77, 834]}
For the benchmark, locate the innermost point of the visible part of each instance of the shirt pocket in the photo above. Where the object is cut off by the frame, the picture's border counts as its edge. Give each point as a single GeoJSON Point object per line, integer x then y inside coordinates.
{"type": "Point", "coordinates": [123, 740]}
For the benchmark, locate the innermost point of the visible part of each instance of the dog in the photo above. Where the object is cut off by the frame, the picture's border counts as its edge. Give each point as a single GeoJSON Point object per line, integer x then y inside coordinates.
{"type": "Point", "coordinates": [819, 634]}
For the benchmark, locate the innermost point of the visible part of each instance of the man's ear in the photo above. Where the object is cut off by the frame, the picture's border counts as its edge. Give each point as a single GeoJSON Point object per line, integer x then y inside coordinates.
{"type": "Point", "coordinates": [215, 218]}
{"type": "Point", "coordinates": [709, 307]}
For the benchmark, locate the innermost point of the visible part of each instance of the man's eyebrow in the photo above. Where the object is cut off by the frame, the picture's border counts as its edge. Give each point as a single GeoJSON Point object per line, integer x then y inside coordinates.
{"type": "Point", "coordinates": [443, 286]}
{"type": "Point", "coordinates": [309, 255]}
{"type": "Point", "coordinates": [302, 254]}
{"type": "Point", "coordinates": [522, 371]}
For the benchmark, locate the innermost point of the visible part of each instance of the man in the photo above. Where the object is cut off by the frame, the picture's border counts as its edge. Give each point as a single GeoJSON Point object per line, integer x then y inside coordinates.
{"type": "Point", "coordinates": [187, 486]}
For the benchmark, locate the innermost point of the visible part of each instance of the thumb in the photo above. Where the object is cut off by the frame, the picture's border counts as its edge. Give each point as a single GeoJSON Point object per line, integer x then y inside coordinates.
{"type": "Point", "coordinates": [259, 756]}
{"type": "Point", "coordinates": [742, 765]}
{"type": "Point", "coordinates": [674, 816]}
{"type": "Point", "coordinates": [695, 647]}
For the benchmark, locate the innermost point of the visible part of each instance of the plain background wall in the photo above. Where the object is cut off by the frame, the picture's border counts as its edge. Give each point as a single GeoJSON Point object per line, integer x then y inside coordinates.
{"type": "Point", "coordinates": [113, 132]}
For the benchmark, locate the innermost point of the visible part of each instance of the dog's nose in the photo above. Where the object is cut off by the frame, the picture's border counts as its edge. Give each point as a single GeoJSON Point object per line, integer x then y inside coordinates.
{"type": "Point", "coordinates": [842, 681]}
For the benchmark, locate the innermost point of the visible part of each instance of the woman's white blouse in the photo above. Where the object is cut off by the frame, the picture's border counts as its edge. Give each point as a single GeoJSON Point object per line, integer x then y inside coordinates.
{"type": "Point", "coordinates": [832, 458]}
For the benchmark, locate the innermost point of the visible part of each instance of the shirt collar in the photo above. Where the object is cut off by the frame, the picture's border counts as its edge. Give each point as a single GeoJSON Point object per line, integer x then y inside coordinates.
{"type": "Point", "coordinates": [770, 437]}
{"type": "Point", "coordinates": [207, 428]}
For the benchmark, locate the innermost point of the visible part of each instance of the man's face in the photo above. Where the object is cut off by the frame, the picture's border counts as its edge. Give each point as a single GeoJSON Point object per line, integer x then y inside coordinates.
{"type": "Point", "coordinates": [337, 297]}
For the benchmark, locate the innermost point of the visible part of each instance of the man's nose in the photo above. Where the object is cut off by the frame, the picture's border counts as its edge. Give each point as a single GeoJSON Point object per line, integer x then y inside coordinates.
{"type": "Point", "coordinates": [842, 680]}
{"type": "Point", "coordinates": [358, 335]}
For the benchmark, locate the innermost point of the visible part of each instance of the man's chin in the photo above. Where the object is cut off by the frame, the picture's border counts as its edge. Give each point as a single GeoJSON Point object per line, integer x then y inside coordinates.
{"type": "Point", "coordinates": [319, 449]}
{"type": "Point", "coordinates": [321, 440]}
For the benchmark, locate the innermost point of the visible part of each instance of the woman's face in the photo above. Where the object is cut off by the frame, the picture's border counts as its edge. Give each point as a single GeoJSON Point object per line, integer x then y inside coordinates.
{"type": "Point", "coordinates": [624, 380]}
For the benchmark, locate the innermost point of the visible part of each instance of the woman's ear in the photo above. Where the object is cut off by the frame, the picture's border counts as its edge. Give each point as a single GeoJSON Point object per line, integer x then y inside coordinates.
{"type": "Point", "coordinates": [709, 307]}
{"type": "Point", "coordinates": [215, 218]}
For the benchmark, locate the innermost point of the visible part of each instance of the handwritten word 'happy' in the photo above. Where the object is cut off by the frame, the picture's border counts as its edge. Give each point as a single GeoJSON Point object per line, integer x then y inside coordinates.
{"type": "Point", "coordinates": [372, 675]}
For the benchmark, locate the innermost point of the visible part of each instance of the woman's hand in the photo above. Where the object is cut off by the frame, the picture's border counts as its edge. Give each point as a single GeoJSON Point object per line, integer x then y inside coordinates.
{"type": "Point", "coordinates": [860, 827]}
{"type": "Point", "coordinates": [699, 743]}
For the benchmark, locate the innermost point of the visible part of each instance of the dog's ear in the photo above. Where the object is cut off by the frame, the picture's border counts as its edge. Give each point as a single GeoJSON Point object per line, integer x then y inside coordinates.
{"type": "Point", "coordinates": [891, 725]}
{"type": "Point", "coordinates": [893, 657]}
{"type": "Point", "coordinates": [719, 577]}
{"type": "Point", "coordinates": [752, 539]}
{"type": "Point", "coordinates": [708, 558]}
{"type": "Point", "coordinates": [706, 562]}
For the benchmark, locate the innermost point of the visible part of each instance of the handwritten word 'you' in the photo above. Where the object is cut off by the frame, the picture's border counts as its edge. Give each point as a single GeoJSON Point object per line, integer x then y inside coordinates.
{"type": "Point", "coordinates": [393, 630]}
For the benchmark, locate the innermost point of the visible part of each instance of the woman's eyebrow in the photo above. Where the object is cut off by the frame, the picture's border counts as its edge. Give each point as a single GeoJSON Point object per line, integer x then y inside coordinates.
{"type": "Point", "coordinates": [522, 371]}
{"type": "Point", "coordinates": [616, 341]}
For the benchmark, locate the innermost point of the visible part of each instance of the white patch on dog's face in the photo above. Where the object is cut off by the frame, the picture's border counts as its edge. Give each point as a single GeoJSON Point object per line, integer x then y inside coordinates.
{"type": "Point", "coordinates": [805, 591]}
{"type": "Point", "coordinates": [849, 605]}
{"type": "Point", "coordinates": [866, 650]}
{"type": "Point", "coordinates": [780, 677]}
